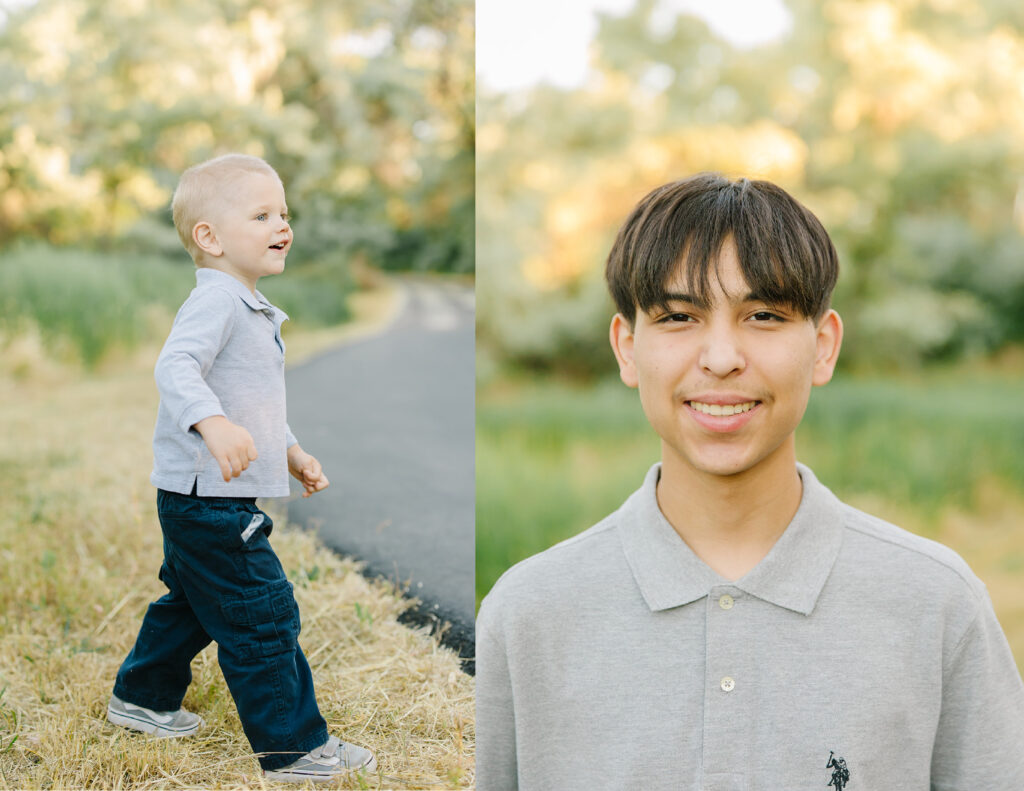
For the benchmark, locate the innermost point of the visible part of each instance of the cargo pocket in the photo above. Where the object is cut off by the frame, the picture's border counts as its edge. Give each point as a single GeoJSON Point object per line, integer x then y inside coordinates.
{"type": "Point", "coordinates": [263, 624]}
{"type": "Point", "coordinates": [253, 525]}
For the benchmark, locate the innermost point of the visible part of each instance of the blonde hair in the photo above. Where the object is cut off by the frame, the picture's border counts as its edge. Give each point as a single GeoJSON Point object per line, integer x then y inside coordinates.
{"type": "Point", "coordinates": [202, 186]}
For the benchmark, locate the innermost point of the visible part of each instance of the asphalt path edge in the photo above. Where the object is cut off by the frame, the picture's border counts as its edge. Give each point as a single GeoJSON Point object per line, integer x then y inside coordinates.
{"type": "Point", "coordinates": [440, 621]}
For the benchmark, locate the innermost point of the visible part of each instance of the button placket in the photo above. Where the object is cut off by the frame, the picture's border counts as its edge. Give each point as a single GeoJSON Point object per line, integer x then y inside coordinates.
{"type": "Point", "coordinates": [727, 602]}
{"type": "Point", "coordinates": [724, 742]}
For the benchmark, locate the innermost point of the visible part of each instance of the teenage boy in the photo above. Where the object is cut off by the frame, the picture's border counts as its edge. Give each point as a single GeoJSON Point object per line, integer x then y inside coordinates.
{"type": "Point", "coordinates": [733, 626]}
{"type": "Point", "coordinates": [221, 441]}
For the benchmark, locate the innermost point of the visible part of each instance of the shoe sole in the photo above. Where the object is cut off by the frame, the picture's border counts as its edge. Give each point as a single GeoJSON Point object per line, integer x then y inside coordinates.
{"type": "Point", "coordinates": [145, 726]}
{"type": "Point", "coordinates": [317, 777]}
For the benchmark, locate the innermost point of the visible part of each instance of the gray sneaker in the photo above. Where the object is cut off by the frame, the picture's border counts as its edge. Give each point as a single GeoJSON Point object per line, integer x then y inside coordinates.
{"type": "Point", "coordinates": [163, 724]}
{"type": "Point", "coordinates": [327, 762]}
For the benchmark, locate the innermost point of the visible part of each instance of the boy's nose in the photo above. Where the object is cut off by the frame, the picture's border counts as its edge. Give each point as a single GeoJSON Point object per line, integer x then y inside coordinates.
{"type": "Point", "coordinates": [721, 354]}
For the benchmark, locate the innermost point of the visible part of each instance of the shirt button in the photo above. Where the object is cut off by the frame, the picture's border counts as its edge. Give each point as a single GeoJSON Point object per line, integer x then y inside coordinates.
{"type": "Point", "coordinates": [728, 684]}
{"type": "Point", "coordinates": [726, 602]}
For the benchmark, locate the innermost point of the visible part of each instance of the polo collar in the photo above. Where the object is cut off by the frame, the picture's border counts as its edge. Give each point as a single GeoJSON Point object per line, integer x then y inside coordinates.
{"type": "Point", "coordinates": [791, 575]}
{"type": "Point", "coordinates": [206, 276]}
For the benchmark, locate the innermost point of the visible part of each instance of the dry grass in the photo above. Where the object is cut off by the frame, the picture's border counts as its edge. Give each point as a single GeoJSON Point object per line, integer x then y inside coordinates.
{"type": "Point", "coordinates": [79, 551]}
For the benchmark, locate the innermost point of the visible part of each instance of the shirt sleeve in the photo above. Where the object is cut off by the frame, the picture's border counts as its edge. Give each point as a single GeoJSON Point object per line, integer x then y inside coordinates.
{"type": "Point", "coordinates": [495, 715]}
{"type": "Point", "coordinates": [289, 438]}
{"type": "Point", "coordinates": [201, 330]}
{"type": "Point", "coordinates": [981, 726]}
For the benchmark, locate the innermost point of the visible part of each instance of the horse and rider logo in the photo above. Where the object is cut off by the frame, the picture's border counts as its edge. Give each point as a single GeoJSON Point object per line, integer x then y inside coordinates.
{"type": "Point", "coordinates": [840, 774]}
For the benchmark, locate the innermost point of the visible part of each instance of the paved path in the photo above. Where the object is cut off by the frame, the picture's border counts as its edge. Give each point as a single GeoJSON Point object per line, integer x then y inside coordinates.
{"type": "Point", "coordinates": [391, 418]}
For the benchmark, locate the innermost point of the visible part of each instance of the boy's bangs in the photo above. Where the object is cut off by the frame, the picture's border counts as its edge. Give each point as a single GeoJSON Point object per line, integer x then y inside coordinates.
{"type": "Point", "coordinates": [783, 259]}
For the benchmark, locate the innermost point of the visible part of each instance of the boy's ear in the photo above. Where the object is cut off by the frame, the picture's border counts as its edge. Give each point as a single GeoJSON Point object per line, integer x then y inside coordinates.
{"type": "Point", "coordinates": [206, 239]}
{"type": "Point", "coordinates": [829, 339]}
{"type": "Point", "coordinates": [621, 336]}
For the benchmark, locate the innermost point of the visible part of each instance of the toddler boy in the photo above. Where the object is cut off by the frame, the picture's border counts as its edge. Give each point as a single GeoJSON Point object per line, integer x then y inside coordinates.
{"type": "Point", "coordinates": [221, 441]}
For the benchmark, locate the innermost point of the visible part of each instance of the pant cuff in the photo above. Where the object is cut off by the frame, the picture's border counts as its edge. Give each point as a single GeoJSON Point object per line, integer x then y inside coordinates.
{"type": "Point", "coordinates": [277, 760]}
{"type": "Point", "coordinates": [147, 701]}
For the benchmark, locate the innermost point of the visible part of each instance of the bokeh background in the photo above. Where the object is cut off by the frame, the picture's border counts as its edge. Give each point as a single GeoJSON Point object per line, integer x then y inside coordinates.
{"type": "Point", "coordinates": [900, 123]}
{"type": "Point", "coordinates": [365, 108]}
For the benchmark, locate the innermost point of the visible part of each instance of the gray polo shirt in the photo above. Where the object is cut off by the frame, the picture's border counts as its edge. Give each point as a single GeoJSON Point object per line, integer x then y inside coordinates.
{"type": "Point", "coordinates": [224, 356]}
{"type": "Point", "coordinates": [619, 660]}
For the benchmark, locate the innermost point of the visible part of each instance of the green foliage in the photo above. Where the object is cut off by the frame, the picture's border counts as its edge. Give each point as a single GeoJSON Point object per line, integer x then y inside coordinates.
{"type": "Point", "coordinates": [898, 124]}
{"type": "Point", "coordinates": [365, 108]}
{"type": "Point", "coordinates": [553, 459]}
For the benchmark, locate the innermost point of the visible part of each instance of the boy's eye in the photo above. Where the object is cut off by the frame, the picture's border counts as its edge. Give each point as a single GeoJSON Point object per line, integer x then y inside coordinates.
{"type": "Point", "coordinates": [675, 317]}
{"type": "Point", "coordinates": [261, 217]}
{"type": "Point", "coordinates": [767, 315]}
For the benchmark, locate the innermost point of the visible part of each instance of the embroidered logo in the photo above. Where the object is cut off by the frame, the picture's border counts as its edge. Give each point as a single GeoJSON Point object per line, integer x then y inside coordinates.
{"type": "Point", "coordinates": [840, 774]}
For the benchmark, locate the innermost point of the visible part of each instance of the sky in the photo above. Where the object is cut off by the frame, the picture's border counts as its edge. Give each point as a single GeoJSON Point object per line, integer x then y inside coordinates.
{"type": "Point", "coordinates": [522, 43]}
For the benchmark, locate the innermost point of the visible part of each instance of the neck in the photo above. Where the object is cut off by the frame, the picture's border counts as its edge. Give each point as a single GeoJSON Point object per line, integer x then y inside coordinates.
{"type": "Point", "coordinates": [248, 282]}
{"type": "Point", "coordinates": [731, 521]}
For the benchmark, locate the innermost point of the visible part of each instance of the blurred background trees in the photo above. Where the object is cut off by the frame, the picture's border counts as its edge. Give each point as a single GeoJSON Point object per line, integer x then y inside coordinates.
{"type": "Point", "coordinates": [365, 108]}
{"type": "Point", "coordinates": [899, 122]}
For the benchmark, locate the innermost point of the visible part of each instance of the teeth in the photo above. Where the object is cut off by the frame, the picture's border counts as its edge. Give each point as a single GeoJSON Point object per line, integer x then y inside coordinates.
{"type": "Point", "coordinates": [723, 410]}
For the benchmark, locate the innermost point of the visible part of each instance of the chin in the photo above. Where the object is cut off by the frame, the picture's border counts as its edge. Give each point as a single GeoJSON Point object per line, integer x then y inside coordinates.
{"type": "Point", "coordinates": [722, 462]}
{"type": "Point", "coordinates": [724, 469]}
{"type": "Point", "coordinates": [737, 461]}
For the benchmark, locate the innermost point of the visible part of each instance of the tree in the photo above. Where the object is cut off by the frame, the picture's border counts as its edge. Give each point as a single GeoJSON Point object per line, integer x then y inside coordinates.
{"type": "Point", "coordinates": [897, 121]}
{"type": "Point", "coordinates": [363, 107]}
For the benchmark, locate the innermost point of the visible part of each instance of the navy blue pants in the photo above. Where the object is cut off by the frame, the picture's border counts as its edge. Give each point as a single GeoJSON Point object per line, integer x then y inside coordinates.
{"type": "Point", "coordinates": [226, 584]}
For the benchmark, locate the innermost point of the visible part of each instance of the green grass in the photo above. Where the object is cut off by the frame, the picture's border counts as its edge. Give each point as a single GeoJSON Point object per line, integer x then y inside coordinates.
{"type": "Point", "coordinates": [550, 461]}
{"type": "Point", "coordinates": [315, 295]}
{"type": "Point", "coordinates": [86, 304]}
{"type": "Point", "coordinates": [929, 443]}
{"type": "Point", "coordinates": [86, 301]}
{"type": "Point", "coordinates": [553, 458]}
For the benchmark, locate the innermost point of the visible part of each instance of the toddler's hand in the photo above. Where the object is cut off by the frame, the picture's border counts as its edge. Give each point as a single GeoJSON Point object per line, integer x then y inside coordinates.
{"type": "Point", "coordinates": [230, 444]}
{"type": "Point", "coordinates": [306, 469]}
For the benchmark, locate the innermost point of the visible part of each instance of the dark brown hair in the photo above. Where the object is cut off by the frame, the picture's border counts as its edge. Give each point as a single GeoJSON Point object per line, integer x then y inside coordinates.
{"type": "Point", "coordinates": [786, 256]}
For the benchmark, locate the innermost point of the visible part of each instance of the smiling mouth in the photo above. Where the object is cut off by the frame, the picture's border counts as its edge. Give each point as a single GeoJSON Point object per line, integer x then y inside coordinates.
{"type": "Point", "coordinates": [279, 246]}
{"type": "Point", "coordinates": [723, 410]}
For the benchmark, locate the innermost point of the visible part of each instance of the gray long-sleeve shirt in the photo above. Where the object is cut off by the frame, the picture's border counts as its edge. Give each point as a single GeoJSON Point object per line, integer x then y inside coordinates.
{"type": "Point", "coordinates": [224, 356]}
{"type": "Point", "coordinates": [619, 660]}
